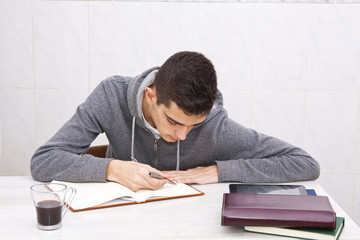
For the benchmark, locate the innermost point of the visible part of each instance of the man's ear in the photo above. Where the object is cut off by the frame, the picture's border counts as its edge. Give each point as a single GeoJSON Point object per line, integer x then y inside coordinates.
{"type": "Point", "coordinates": [150, 95]}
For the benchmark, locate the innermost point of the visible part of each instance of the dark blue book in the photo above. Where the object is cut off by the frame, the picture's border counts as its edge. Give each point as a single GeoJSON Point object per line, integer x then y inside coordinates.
{"type": "Point", "coordinates": [311, 192]}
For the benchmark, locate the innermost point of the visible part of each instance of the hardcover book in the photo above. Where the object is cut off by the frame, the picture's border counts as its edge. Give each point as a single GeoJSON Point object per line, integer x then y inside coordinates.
{"type": "Point", "coordinates": [303, 233]}
{"type": "Point", "coordinates": [268, 189]}
{"type": "Point", "coordinates": [277, 210]}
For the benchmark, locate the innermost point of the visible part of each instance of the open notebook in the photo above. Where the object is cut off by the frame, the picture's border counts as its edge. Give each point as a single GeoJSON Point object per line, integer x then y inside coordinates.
{"type": "Point", "coordinates": [101, 195]}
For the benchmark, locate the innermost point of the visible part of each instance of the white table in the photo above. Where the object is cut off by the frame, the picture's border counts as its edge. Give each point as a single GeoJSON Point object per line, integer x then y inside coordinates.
{"type": "Point", "coordinates": [184, 218]}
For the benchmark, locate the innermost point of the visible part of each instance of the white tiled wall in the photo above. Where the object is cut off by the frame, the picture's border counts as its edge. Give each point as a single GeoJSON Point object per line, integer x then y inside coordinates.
{"type": "Point", "coordinates": [291, 70]}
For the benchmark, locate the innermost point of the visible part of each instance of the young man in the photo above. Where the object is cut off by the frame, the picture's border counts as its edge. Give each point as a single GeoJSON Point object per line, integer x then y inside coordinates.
{"type": "Point", "coordinates": [169, 120]}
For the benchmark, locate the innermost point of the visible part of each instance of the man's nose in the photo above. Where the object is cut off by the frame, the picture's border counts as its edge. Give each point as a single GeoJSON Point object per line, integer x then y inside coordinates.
{"type": "Point", "coordinates": [181, 132]}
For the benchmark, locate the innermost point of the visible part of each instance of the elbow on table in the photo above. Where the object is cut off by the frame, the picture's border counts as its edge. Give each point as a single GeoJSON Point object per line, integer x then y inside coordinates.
{"type": "Point", "coordinates": [314, 170]}
{"type": "Point", "coordinates": [39, 177]}
{"type": "Point", "coordinates": [38, 170]}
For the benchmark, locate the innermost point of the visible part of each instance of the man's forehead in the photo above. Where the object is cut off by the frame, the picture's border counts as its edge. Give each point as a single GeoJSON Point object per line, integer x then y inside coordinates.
{"type": "Point", "coordinates": [177, 115]}
{"type": "Point", "coordinates": [190, 121]}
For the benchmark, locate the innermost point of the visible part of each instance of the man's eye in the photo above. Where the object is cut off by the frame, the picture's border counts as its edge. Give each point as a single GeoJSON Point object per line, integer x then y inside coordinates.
{"type": "Point", "coordinates": [171, 123]}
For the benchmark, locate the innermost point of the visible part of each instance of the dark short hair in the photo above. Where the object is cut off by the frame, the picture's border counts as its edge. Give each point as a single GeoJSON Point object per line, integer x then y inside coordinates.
{"type": "Point", "coordinates": [188, 79]}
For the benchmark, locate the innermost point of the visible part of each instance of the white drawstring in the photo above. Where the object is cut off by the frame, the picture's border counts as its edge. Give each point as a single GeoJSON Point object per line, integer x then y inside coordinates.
{"type": "Point", "coordinates": [132, 140]}
{"type": "Point", "coordinates": [178, 156]}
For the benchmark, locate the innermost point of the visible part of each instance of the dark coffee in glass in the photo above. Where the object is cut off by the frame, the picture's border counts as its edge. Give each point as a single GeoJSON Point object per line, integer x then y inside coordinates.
{"type": "Point", "coordinates": [49, 212]}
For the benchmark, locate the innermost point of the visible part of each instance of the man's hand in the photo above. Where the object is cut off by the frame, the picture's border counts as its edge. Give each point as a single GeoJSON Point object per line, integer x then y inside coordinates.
{"type": "Point", "coordinates": [133, 175]}
{"type": "Point", "coordinates": [199, 175]}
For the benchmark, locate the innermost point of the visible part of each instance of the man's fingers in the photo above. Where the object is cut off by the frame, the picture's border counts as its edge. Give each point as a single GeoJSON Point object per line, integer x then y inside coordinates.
{"type": "Point", "coordinates": [182, 176]}
{"type": "Point", "coordinates": [133, 175]}
{"type": "Point", "coordinates": [199, 175]}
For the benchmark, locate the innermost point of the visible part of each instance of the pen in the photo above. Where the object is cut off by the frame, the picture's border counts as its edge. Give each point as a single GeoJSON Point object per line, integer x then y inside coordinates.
{"type": "Point", "coordinates": [158, 176]}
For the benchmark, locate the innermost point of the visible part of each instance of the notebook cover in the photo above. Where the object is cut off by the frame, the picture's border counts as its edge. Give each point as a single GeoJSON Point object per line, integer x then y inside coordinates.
{"type": "Point", "coordinates": [277, 210]}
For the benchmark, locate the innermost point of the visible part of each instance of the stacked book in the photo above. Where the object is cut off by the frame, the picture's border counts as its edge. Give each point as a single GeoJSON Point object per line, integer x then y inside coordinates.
{"type": "Point", "coordinates": [295, 215]}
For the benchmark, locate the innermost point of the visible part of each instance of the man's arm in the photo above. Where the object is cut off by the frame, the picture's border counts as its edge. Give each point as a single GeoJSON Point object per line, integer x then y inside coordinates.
{"type": "Point", "coordinates": [245, 155]}
{"type": "Point", "coordinates": [61, 157]}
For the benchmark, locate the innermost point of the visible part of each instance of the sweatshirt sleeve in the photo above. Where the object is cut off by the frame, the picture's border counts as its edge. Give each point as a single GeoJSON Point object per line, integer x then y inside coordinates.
{"type": "Point", "coordinates": [245, 155]}
{"type": "Point", "coordinates": [61, 157]}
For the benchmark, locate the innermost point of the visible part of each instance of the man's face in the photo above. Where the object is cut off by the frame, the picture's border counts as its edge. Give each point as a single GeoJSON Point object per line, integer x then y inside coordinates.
{"type": "Point", "coordinates": [172, 123]}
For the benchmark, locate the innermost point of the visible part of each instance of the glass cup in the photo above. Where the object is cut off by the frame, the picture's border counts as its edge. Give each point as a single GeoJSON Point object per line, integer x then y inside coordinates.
{"type": "Point", "coordinates": [51, 201]}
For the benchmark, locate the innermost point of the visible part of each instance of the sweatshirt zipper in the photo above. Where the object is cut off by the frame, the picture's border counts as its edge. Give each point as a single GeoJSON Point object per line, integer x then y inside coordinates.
{"type": "Point", "coordinates": [156, 151]}
{"type": "Point", "coordinates": [155, 147]}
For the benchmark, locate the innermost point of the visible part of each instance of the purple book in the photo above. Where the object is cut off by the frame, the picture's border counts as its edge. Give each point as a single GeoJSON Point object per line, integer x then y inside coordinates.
{"type": "Point", "coordinates": [277, 211]}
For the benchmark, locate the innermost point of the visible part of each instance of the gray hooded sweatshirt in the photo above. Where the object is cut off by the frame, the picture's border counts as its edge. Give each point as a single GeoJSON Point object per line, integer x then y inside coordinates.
{"type": "Point", "coordinates": [241, 154]}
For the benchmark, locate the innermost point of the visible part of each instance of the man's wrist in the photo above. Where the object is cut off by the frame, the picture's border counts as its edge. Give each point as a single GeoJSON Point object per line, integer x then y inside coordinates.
{"type": "Point", "coordinates": [110, 170]}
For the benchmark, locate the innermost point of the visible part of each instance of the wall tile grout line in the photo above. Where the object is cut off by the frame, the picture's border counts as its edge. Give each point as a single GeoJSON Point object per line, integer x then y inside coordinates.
{"type": "Point", "coordinates": [251, 103]}
{"type": "Point", "coordinates": [306, 76]}
{"type": "Point", "coordinates": [89, 56]}
{"type": "Point", "coordinates": [34, 74]}
{"type": "Point", "coordinates": [143, 35]}
{"type": "Point", "coordinates": [357, 154]}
